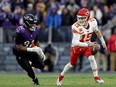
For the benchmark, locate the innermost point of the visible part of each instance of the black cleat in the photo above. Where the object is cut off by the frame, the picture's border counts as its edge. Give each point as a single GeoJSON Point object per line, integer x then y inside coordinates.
{"type": "Point", "coordinates": [35, 81]}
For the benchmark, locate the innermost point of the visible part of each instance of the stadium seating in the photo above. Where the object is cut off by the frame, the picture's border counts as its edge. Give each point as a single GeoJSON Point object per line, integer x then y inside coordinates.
{"type": "Point", "coordinates": [8, 62]}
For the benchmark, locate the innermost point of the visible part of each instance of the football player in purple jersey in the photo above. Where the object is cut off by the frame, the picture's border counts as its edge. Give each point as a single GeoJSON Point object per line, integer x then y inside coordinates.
{"type": "Point", "coordinates": [27, 47]}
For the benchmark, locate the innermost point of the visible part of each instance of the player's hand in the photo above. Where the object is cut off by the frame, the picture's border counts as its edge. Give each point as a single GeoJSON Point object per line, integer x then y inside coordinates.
{"type": "Point", "coordinates": [92, 44]}
{"type": "Point", "coordinates": [40, 52]}
{"type": "Point", "coordinates": [34, 49]}
{"type": "Point", "coordinates": [43, 56]}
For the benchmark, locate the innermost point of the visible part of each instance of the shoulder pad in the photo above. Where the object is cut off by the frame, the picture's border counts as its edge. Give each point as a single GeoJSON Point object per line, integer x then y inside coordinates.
{"type": "Point", "coordinates": [19, 29]}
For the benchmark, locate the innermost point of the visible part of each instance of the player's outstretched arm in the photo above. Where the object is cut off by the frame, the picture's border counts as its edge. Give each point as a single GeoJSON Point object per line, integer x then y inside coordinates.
{"type": "Point", "coordinates": [100, 36]}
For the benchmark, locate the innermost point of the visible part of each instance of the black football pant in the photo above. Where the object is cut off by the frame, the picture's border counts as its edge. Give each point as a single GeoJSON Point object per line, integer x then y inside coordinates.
{"type": "Point", "coordinates": [25, 59]}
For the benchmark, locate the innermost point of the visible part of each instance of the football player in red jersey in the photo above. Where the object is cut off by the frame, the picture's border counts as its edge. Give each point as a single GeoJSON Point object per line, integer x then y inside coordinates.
{"type": "Point", "coordinates": [82, 31]}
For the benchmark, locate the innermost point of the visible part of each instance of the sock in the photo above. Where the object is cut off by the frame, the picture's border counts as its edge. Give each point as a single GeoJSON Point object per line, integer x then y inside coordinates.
{"type": "Point", "coordinates": [93, 65]}
{"type": "Point", "coordinates": [66, 68]}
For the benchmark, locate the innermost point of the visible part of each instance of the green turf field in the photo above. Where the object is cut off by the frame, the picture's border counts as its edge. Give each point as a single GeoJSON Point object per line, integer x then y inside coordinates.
{"type": "Point", "coordinates": [49, 80]}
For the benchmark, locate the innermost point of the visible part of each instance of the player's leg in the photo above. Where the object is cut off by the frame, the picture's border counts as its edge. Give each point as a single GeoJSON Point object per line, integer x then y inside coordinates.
{"type": "Point", "coordinates": [24, 63]}
{"type": "Point", "coordinates": [93, 64]}
{"type": "Point", "coordinates": [94, 69]}
{"type": "Point", "coordinates": [61, 76]}
{"type": "Point", "coordinates": [36, 61]}
{"type": "Point", "coordinates": [98, 59]}
{"type": "Point", "coordinates": [72, 63]}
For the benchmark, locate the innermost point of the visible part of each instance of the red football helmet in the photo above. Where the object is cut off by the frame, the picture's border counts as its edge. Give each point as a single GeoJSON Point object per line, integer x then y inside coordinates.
{"type": "Point", "coordinates": [83, 16]}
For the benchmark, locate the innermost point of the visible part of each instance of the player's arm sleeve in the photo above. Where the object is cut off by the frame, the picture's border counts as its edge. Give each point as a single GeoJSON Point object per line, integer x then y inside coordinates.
{"type": "Point", "coordinates": [76, 40]}
{"type": "Point", "coordinates": [95, 28]}
{"type": "Point", "coordinates": [97, 31]}
{"type": "Point", "coordinates": [19, 42]}
{"type": "Point", "coordinates": [18, 39]}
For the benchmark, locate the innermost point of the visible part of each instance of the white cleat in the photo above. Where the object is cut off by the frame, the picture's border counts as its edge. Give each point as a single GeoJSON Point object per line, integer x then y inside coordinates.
{"type": "Point", "coordinates": [98, 80]}
{"type": "Point", "coordinates": [59, 80]}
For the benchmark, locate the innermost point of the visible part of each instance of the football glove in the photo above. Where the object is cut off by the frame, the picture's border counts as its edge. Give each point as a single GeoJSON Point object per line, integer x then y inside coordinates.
{"type": "Point", "coordinates": [38, 50]}
{"type": "Point", "coordinates": [34, 49]}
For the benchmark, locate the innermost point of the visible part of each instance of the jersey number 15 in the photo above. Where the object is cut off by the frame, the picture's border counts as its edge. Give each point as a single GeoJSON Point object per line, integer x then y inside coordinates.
{"type": "Point", "coordinates": [86, 37]}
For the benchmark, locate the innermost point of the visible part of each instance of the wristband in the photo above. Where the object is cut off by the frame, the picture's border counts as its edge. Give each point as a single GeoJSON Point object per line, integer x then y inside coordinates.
{"type": "Point", "coordinates": [88, 44]}
{"type": "Point", "coordinates": [102, 40]}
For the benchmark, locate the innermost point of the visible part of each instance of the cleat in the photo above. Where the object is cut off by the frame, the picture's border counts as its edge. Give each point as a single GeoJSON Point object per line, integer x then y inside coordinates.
{"type": "Point", "coordinates": [98, 80]}
{"type": "Point", "coordinates": [35, 81]}
{"type": "Point", "coordinates": [59, 80]}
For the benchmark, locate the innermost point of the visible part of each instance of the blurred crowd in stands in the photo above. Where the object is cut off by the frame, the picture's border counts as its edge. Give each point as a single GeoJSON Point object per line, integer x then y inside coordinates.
{"type": "Point", "coordinates": [57, 15]}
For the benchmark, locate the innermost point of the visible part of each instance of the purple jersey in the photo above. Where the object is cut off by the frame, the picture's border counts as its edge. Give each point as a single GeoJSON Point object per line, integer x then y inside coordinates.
{"type": "Point", "coordinates": [25, 37]}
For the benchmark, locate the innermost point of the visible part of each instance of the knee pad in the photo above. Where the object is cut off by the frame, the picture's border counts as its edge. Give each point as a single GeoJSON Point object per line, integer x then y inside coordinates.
{"type": "Point", "coordinates": [91, 58]}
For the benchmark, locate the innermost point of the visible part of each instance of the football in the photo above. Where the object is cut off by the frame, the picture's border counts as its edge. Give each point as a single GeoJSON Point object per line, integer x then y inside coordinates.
{"type": "Point", "coordinates": [95, 49]}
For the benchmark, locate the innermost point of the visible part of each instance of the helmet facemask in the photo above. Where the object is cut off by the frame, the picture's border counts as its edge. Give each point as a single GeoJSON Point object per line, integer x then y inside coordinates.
{"type": "Point", "coordinates": [31, 27]}
{"type": "Point", "coordinates": [81, 20]}
{"type": "Point", "coordinates": [30, 22]}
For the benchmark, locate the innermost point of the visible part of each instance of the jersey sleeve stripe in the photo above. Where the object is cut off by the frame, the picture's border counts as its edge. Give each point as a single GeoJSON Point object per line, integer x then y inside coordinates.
{"type": "Point", "coordinates": [74, 31]}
